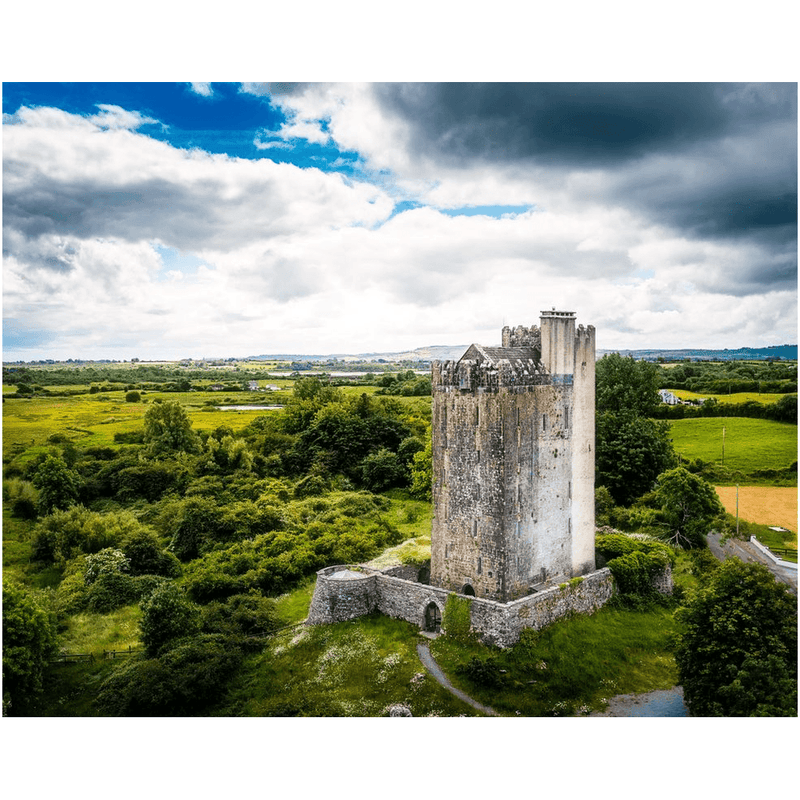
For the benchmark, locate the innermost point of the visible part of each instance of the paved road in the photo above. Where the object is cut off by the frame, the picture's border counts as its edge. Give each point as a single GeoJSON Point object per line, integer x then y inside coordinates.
{"type": "Point", "coordinates": [735, 548]}
{"type": "Point", "coordinates": [435, 670]}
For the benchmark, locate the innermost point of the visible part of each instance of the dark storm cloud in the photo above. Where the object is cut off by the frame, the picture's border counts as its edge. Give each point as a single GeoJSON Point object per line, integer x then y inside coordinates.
{"type": "Point", "coordinates": [715, 161]}
{"type": "Point", "coordinates": [576, 124]}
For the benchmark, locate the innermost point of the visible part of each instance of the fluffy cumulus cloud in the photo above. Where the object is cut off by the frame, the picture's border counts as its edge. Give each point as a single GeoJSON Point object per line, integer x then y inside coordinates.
{"type": "Point", "coordinates": [663, 214]}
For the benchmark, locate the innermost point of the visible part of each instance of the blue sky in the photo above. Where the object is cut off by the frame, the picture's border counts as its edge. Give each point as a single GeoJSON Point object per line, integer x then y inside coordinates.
{"type": "Point", "coordinates": [171, 220]}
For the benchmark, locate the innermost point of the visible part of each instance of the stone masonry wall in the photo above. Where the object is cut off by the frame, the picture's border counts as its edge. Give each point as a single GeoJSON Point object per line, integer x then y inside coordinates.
{"type": "Point", "coordinates": [498, 624]}
{"type": "Point", "coordinates": [337, 600]}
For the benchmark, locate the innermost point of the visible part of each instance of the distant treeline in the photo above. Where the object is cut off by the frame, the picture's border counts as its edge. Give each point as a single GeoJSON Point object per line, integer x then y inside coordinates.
{"type": "Point", "coordinates": [731, 377]}
{"type": "Point", "coordinates": [785, 410]}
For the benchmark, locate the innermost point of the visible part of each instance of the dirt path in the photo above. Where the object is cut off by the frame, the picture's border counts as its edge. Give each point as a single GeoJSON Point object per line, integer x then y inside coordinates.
{"type": "Point", "coordinates": [430, 664]}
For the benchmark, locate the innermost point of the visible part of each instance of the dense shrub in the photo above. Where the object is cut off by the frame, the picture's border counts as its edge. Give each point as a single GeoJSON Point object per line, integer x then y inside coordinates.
{"type": "Point", "coordinates": [63, 535]}
{"type": "Point", "coordinates": [146, 556]}
{"type": "Point", "coordinates": [482, 672]}
{"type": "Point", "coordinates": [167, 614]}
{"type": "Point", "coordinates": [184, 681]}
{"type": "Point", "coordinates": [241, 615]}
{"type": "Point", "coordinates": [634, 562]}
{"type": "Point", "coordinates": [22, 498]}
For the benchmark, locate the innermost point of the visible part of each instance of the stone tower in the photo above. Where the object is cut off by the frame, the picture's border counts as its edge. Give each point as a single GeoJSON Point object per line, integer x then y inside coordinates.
{"type": "Point", "coordinates": [513, 461]}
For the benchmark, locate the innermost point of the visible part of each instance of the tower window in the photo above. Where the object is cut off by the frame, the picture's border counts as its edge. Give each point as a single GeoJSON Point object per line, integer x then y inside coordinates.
{"type": "Point", "coordinates": [566, 418]}
{"type": "Point", "coordinates": [479, 565]}
{"type": "Point", "coordinates": [544, 422]}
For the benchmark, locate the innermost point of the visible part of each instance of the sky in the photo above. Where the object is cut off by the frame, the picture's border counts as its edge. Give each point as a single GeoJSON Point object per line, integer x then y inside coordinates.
{"type": "Point", "coordinates": [197, 220]}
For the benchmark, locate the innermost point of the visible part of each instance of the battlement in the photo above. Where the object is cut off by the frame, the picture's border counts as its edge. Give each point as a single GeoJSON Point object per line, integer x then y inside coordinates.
{"type": "Point", "coordinates": [522, 337]}
{"type": "Point", "coordinates": [473, 375]}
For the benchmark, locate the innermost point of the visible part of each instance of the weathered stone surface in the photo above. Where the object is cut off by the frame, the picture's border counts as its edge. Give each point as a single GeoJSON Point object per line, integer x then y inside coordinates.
{"type": "Point", "coordinates": [513, 461]}
{"type": "Point", "coordinates": [496, 623]}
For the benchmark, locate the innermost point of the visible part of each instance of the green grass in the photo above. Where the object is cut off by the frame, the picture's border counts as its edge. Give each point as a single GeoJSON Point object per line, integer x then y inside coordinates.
{"type": "Point", "coordinates": [767, 537]}
{"type": "Point", "coordinates": [353, 669]}
{"type": "Point", "coordinates": [93, 633]}
{"type": "Point", "coordinates": [750, 444]}
{"type": "Point", "coordinates": [573, 666]}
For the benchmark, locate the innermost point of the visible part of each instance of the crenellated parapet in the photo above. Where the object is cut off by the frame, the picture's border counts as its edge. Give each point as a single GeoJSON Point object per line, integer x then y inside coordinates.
{"type": "Point", "coordinates": [520, 336]}
{"type": "Point", "coordinates": [470, 375]}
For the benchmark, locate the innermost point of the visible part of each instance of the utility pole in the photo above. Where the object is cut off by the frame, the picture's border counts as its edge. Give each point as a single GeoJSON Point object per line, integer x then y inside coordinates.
{"type": "Point", "coordinates": [723, 444]}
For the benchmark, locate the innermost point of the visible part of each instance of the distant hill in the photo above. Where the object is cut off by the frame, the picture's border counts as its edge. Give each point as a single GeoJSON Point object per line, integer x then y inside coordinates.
{"type": "Point", "coordinates": [432, 353]}
{"type": "Point", "coordinates": [787, 352]}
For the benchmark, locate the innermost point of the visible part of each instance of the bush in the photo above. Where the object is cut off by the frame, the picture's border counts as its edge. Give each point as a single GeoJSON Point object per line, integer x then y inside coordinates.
{"type": "Point", "coordinates": [183, 681]}
{"type": "Point", "coordinates": [241, 615]}
{"type": "Point", "coordinates": [63, 535]}
{"type": "Point", "coordinates": [22, 498]}
{"type": "Point", "coordinates": [457, 620]}
{"type": "Point", "coordinates": [112, 590]}
{"type": "Point", "coordinates": [146, 555]}
{"type": "Point", "coordinates": [167, 614]}
{"type": "Point", "coordinates": [104, 562]}
{"type": "Point", "coordinates": [133, 397]}
{"type": "Point", "coordinates": [482, 672]}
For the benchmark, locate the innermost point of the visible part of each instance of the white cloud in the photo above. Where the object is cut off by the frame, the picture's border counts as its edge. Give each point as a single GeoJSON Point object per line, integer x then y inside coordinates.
{"type": "Point", "coordinates": [203, 89]}
{"type": "Point", "coordinates": [297, 260]}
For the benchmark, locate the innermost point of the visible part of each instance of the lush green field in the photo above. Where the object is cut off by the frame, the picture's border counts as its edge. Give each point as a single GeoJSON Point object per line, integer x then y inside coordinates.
{"type": "Point", "coordinates": [751, 445]}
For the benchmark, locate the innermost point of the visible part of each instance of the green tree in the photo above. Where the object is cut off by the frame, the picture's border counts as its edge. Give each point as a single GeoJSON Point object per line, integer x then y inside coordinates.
{"type": "Point", "coordinates": [146, 556]}
{"type": "Point", "coordinates": [689, 507]}
{"type": "Point", "coordinates": [133, 397]}
{"type": "Point", "coordinates": [737, 656]}
{"type": "Point", "coordinates": [627, 385]}
{"type": "Point", "coordinates": [29, 641]}
{"type": "Point", "coordinates": [382, 470]}
{"type": "Point", "coordinates": [422, 473]}
{"type": "Point", "coordinates": [631, 452]}
{"type": "Point", "coordinates": [168, 429]}
{"type": "Point", "coordinates": [57, 484]}
{"type": "Point", "coordinates": [167, 615]}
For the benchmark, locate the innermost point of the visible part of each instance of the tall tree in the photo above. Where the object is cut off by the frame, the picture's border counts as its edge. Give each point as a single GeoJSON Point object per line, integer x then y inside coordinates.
{"type": "Point", "coordinates": [626, 385]}
{"type": "Point", "coordinates": [168, 429]}
{"type": "Point", "coordinates": [689, 506]}
{"type": "Point", "coordinates": [57, 484]}
{"type": "Point", "coordinates": [29, 640]}
{"type": "Point", "coordinates": [737, 656]}
{"type": "Point", "coordinates": [630, 453]}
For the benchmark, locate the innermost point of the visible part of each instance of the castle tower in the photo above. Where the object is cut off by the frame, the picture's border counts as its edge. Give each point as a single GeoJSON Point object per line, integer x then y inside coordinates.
{"type": "Point", "coordinates": [513, 461]}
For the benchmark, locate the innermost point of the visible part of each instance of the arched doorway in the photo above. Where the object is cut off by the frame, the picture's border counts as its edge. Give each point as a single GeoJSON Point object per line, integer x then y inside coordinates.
{"type": "Point", "coordinates": [468, 590]}
{"type": "Point", "coordinates": [433, 618]}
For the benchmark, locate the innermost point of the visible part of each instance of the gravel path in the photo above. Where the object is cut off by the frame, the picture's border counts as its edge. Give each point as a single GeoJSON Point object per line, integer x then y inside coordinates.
{"type": "Point", "coordinates": [435, 670]}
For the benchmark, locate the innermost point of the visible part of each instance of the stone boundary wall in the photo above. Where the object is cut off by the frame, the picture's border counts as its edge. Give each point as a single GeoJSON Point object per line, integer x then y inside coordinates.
{"type": "Point", "coordinates": [500, 624]}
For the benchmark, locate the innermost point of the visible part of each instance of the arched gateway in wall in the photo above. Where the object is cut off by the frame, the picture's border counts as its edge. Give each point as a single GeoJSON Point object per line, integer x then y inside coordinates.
{"type": "Point", "coordinates": [433, 618]}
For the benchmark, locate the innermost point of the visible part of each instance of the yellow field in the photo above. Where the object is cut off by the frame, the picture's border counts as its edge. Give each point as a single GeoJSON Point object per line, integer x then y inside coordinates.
{"type": "Point", "coordinates": [737, 397]}
{"type": "Point", "coordinates": [765, 505]}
